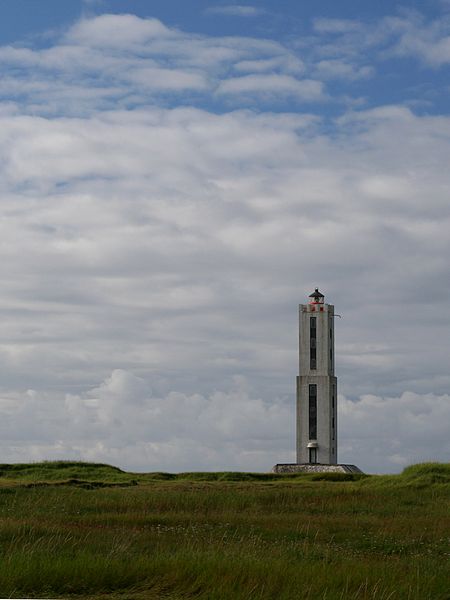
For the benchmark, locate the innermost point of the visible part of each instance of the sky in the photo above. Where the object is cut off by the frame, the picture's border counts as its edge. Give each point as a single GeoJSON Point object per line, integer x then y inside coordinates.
{"type": "Point", "coordinates": [177, 177]}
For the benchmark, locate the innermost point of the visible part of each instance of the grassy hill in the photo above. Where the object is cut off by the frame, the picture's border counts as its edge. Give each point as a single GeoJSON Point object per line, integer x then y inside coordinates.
{"type": "Point", "coordinates": [86, 530]}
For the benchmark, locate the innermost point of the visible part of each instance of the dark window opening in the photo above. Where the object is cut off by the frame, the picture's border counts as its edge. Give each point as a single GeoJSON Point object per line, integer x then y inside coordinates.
{"type": "Point", "coordinates": [331, 354]}
{"type": "Point", "coordinates": [312, 358]}
{"type": "Point", "coordinates": [312, 343]}
{"type": "Point", "coordinates": [313, 411]}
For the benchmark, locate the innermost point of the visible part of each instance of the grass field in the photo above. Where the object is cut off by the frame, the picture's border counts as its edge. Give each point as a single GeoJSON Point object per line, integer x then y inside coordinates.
{"type": "Point", "coordinates": [93, 531]}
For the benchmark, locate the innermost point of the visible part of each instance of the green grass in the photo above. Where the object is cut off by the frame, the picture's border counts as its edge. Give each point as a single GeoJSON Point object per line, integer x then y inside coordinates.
{"type": "Point", "coordinates": [85, 530]}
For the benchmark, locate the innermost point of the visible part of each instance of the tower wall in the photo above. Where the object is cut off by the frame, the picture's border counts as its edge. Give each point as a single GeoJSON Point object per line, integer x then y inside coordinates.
{"type": "Point", "coordinates": [316, 386]}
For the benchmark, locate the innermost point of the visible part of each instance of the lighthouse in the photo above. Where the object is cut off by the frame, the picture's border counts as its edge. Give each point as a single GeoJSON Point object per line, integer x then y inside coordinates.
{"type": "Point", "coordinates": [316, 398]}
{"type": "Point", "coordinates": [316, 384]}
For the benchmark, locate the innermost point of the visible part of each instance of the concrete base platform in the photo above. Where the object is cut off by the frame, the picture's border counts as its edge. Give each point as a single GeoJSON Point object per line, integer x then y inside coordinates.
{"type": "Point", "coordinates": [316, 468]}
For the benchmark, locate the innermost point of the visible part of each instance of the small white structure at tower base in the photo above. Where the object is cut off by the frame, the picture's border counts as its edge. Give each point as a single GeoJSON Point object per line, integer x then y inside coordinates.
{"type": "Point", "coordinates": [317, 468]}
{"type": "Point", "coordinates": [316, 393]}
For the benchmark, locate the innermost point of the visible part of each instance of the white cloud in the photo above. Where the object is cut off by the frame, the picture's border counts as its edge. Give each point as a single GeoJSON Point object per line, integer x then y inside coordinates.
{"type": "Point", "coordinates": [124, 217]}
{"type": "Point", "coordinates": [427, 41]}
{"type": "Point", "coordinates": [149, 78]}
{"type": "Point", "coordinates": [235, 10]}
{"type": "Point", "coordinates": [337, 26]}
{"type": "Point", "coordinates": [107, 59]}
{"type": "Point", "coordinates": [122, 421]}
{"type": "Point", "coordinates": [273, 86]}
{"type": "Point", "coordinates": [338, 69]}
{"type": "Point", "coordinates": [409, 34]}
{"type": "Point", "coordinates": [286, 63]}
{"type": "Point", "coordinates": [117, 31]}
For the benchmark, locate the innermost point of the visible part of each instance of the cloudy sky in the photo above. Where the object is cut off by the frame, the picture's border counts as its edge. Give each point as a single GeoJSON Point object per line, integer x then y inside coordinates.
{"type": "Point", "coordinates": [176, 177]}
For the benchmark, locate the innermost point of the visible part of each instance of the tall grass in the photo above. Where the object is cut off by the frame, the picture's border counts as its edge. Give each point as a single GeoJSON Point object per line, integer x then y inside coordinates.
{"type": "Point", "coordinates": [187, 537]}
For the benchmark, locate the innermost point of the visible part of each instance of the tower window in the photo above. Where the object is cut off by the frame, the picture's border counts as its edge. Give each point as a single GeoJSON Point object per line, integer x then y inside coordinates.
{"type": "Point", "coordinates": [313, 411]}
{"type": "Point", "coordinates": [312, 343]}
{"type": "Point", "coordinates": [312, 358]}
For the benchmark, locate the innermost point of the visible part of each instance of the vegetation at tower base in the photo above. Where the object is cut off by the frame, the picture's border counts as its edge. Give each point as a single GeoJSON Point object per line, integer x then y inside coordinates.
{"type": "Point", "coordinates": [82, 530]}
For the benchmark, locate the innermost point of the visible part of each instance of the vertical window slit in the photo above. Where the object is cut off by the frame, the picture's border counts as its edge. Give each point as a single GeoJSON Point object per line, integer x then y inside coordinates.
{"type": "Point", "coordinates": [313, 411]}
{"type": "Point", "coordinates": [312, 343]}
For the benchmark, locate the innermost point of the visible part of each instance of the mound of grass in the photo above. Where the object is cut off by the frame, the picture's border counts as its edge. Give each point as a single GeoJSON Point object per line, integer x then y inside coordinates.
{"type": "Point", "coordinates": [427, 473]}
{"type": "Point", "coordinates": [424, 474]}
{"type": "Point", "coordinates": [67, 472]}
{"type": "Point", "coordinates": [55, 465]}
{"type": "Point", "coordinates": [61, 470]}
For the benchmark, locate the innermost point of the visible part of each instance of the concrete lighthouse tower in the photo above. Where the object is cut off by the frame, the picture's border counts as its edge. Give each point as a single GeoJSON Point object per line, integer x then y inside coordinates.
{"type": "Point", "coordinates": [316, 392]}
{"type": "Point", "coordinates": [316, 384]}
